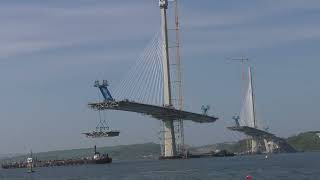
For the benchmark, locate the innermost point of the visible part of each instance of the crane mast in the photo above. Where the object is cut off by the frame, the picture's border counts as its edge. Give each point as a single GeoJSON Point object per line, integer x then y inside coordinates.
{"type": "Point", "coordinates": [180, 128]}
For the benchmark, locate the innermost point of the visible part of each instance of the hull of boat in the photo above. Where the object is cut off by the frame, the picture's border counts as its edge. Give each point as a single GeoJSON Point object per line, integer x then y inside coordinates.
{"type": "Point", "coordinates": [102, 161]}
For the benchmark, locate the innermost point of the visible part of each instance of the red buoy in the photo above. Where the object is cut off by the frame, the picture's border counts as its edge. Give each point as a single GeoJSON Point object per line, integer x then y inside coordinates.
{"type": "Point", "coordinates": [248, 177]}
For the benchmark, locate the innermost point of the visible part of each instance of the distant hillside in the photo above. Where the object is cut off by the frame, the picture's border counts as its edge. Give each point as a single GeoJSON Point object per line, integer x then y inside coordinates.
{"type": "Point", "coordinates": [308, 141]}
{"type": "Point", "coordinates": [4, 156]}
{"type": "Point", "coordinates": [122, 152]}
{"type": "Point", "coordinates": [239, 146]}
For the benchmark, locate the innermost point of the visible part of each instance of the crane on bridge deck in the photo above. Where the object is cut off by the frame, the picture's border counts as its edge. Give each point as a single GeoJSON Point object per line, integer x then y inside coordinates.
{"type": "Point", "coordinates": [103, 129]}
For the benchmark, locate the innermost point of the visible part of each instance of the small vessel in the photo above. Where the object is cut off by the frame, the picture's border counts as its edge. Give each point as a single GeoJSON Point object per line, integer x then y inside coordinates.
{"type": "Point", "coordinates": [30, 164]}
{"type": "Point", "coordinates": [100, 159]}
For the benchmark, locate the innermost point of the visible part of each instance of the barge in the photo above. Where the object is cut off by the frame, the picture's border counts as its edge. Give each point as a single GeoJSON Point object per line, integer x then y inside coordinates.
{"type": "Point", "coordinates": [97, 158]}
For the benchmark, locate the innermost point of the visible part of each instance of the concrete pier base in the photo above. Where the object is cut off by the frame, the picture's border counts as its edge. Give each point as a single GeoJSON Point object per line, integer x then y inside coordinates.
{"type": "Point", "coordinates": [169, 139]}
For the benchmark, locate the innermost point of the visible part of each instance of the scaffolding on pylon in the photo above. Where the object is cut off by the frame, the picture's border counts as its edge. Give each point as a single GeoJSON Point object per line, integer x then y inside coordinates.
{"type": "Point", "coordinates": [177, 86]}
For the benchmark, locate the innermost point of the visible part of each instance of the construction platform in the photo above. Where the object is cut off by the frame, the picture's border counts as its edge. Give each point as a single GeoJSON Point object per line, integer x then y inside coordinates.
{"type": "Point", "coordinates": [100, 134]}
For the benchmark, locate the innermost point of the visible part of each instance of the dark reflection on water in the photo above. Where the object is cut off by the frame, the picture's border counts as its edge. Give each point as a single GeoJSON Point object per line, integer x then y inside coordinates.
{"type": "Point", "coordinates": [299, 166]}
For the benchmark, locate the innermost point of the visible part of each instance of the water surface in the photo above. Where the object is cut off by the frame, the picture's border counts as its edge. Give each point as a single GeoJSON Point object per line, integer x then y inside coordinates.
{"type": "Point", "coordinates": [299, 166]}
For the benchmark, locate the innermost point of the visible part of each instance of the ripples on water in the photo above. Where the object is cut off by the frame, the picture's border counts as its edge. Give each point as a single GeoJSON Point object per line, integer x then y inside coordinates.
{"type": "Point", "coordinates": [299, 166]}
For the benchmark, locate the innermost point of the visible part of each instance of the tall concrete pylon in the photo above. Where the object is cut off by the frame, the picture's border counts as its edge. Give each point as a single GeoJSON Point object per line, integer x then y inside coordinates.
{"type": "Point", "coordinates": [248, 111]}
{"type": "Point", "coordinates": [254, 143]}
{"type": "Point", "coordinates": [169, 136]}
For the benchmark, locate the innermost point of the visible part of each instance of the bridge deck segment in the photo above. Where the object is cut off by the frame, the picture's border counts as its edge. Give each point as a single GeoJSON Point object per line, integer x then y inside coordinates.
{"type": "Point", "coordinates": [157, 112]}
{"type": "Point", "coordinates": [254, 132]}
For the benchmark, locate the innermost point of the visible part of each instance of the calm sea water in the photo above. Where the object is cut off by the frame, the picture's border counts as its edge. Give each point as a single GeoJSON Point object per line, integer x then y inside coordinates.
{"type": "Point", "coordinates": [300, 166]}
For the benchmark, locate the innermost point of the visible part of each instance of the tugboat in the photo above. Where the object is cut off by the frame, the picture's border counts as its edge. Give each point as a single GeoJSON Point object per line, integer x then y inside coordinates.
{"type": "Point", "coordinates": [100, 159]}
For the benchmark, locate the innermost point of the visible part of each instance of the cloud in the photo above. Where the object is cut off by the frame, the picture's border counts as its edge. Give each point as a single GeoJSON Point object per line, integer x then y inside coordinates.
{"type": "Point", "coordinates": [243, 39]}
{"type": "Point", "coordinates": [242, 27]}
{"type": "Point", "coordinates": [230, 14]}
{"type": "Point", "coordinates": [31, 28]}
{"type": "Point", "coordinates": [36, 27]}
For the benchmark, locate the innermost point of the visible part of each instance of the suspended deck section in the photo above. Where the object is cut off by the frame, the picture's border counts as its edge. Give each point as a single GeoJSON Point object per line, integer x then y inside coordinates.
{"type": "Point", "coordinates": [157, 112]}
{"type": "Point", "coordinates": [257, 133]}
{"type": "Point", "coordinates": [101, 134]}
{"type": "Point", "coordinates": [254, 132]}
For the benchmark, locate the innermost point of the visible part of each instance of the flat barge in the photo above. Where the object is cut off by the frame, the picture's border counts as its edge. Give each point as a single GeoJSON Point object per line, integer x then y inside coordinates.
{"type": "Point", "coordinates": [221, 153]}
{"type": "Point", "coordinates": [96, 159]}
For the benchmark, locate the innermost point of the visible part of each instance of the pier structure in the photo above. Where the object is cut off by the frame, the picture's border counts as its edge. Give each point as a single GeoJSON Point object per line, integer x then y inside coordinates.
{"type": "Point", "coordinates": [157, 101]}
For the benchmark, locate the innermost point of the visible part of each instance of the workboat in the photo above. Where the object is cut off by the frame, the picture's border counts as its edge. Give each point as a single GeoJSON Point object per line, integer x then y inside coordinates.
{"type": "Point", "coordinates": [30, 164]}
{"type": "Point", "coordinates": [100, 159]}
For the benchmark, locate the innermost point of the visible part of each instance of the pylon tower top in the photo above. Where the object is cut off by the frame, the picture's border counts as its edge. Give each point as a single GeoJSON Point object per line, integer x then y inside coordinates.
{"type": "Point", "coordinates": [163, 4]}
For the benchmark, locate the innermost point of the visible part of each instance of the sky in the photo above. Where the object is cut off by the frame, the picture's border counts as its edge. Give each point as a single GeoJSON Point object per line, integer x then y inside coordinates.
{"type": "Point", "coordinates": [52, 51]}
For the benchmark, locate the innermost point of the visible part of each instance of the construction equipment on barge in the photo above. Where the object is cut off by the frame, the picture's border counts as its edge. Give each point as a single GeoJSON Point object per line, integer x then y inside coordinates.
{"type": "Point", "coordinates": [97, 158]}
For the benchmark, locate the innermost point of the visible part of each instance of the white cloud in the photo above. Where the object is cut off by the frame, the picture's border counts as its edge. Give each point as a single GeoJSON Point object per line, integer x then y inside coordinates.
{"type": "Point", "coordinates": [234, 40]}
{"type": "Point", "coordinates": [32, 28]}
{"type": "Point", "coordinates": [246, 13]}
{"type": "Point", "coordinates": [262, 24]}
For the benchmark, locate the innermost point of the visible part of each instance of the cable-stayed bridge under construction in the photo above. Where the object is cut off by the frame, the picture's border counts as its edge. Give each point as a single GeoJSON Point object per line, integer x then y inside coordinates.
{"type": "Point", "coordinates": [246, 123]}
{"type": "Point", "coordinates": [152, 88]}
